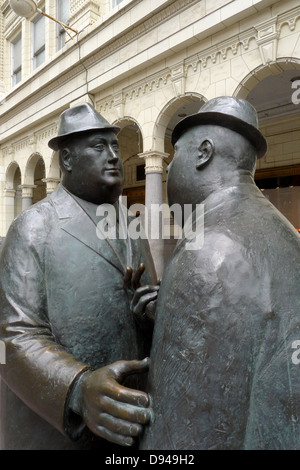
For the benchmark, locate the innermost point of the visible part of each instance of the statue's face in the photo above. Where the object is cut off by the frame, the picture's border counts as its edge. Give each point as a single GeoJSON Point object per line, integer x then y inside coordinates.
{"type": "Point", "coordinates": [183, 178]}
{"type": "Point", "coordinates": [97, 170]}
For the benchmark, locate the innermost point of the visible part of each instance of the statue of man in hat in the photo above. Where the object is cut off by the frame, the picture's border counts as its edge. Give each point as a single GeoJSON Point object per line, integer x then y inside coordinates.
{"type": "Point", "coordinates": [222, 374]}
{"type": "Point", "coordinates": [75, 355]}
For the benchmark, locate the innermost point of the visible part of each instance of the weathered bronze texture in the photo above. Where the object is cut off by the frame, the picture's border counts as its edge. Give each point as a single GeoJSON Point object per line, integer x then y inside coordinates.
{"type": "Point", "coordinates": [222, 374]}
{"type": "Point", "coordinates": [67, 299]}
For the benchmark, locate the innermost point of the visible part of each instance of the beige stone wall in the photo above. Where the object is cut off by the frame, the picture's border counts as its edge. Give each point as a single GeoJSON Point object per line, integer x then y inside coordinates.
{"type": "Point", "coordinates": [283, 136]}
{"type": "Point", "coordinates": [139, 63]}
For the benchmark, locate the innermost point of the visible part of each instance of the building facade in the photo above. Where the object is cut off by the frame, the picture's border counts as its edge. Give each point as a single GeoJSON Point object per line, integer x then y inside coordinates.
{"type": "Point", "coordinates": [145, 64]}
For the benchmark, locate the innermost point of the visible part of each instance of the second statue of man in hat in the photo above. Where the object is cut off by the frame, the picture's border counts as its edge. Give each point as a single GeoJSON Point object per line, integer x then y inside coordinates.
{"type": "Point", "coordinates": [222, 373]}
{"type": "Point", "coordinates": [70, 334]}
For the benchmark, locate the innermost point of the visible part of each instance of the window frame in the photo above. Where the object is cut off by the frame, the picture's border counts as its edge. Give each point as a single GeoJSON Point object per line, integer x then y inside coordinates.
{"type": "Point", "coordinates": [115, 3]}
{"type": "Point", "coordinates": [18, 69]}
{"type": "Point", "coordinates": [42, 49]}
{"type": "Point", "coordinates": [60, 31]}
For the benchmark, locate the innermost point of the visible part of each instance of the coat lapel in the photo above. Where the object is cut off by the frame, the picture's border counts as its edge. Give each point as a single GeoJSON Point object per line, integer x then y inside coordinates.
{"type": "Point", "coordinates": [74, 221]}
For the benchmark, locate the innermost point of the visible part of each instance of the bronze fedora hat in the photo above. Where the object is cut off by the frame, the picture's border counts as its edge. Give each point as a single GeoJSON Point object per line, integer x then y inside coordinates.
{"type": "Point", "coordinates": [230, 112]}
{"type": "Point", "coordinates": [79, 119]}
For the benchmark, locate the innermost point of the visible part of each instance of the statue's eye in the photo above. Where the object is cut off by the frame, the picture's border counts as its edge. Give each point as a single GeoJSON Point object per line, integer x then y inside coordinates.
{"type": "Point", "coordinates": [99, 147]}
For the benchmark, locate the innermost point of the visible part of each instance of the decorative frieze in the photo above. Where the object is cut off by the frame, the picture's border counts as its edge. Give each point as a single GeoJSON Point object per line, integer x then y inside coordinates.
{"type": "Point", "coordinates": [104, 105]}
{"type": "Point", "coordinates": [84, 13]}
{"type": "Point", "coordinates": [178, 76]}
{"type": "Point", "coordinates": [290, 18]}
{"type": "Point", "coordinates": [266, 35]}
{"type": "Point", "coordinates": [21, 144]}
{"type": "Point", "coordinates": [138, 30]}
{"type": "Point", "coordinates": [267, 40]}
{"type": "Point", "coordinates": [46, 133]}
{"type": "Point", "coordinates": [6, 151]}
{"type": "Point", "coordinates": [147, 85]}
{"type": "Point", "coordinates": [118, 103]}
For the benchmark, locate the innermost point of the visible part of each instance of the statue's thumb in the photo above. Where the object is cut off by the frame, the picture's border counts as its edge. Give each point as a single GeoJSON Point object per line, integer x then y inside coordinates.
{"type": "Point", "coordinates": [126, 368]}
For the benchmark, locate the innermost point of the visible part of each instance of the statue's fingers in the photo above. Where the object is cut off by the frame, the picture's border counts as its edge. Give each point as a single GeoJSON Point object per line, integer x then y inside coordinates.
{"type": "Point", "coordinates": [124, 411]}
{"type": "Point", "coordinates": [137, 276]}
{"type": "Point", "coordinates": [140, 292]}
{"type": "Point", "coordinates": [113, 437]}
{"type": "Point", "coordinates": [140, 306]}
{"type": "Point", "coordinates": [128, 277]}
{"type": "Point", "coordinates": [121, 425]}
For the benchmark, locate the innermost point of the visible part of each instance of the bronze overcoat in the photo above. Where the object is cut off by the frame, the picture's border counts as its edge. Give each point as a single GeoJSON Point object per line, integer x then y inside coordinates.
{"type": "Point", "coordinates": [63, 309]}
{"type": "Point", "coordinates": [225, 371]}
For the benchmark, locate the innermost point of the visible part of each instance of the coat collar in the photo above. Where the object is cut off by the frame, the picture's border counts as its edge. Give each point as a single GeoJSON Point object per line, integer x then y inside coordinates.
{"type": "Point", "coordinates": [75, 221]}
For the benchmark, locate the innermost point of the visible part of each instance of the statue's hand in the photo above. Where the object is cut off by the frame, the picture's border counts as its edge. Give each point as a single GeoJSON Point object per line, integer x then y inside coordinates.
{"type": "Point", "coordinates": [110, 410]}
{"type": "Point", "coordinates": [143, 303]}
{"type": "Point", "coordinates": [132, 279]}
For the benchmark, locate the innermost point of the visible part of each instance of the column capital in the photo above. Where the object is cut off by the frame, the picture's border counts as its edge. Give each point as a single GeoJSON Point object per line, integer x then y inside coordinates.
{"type": "Point", "coordinates": [27, 190]}
{"type": "Point", "coordinates": [51, 184]}
{"type": "Point", "coordinates": [154, 161]}
{"type": "Point", "coordinates": [9, 192]}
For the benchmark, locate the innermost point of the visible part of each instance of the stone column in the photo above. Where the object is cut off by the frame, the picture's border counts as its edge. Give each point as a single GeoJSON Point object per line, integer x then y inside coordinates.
{"type": "Point", "coordinates": [153, 202]}
{"type": "Point", "coordinates": [27, 194]}
{"type": "Point", "coordinates": [51, 184]}
{"type": "Point", "coordinates": [9, 206]}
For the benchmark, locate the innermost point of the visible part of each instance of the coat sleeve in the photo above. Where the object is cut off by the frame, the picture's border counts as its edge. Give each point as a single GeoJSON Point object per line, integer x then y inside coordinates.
{"type": "Point", "coordinates": [38, 370]}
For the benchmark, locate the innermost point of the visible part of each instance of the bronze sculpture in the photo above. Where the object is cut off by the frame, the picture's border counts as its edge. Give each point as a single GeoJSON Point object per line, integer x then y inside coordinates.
{"type": "Point", "coordinates": [70, 333]}
{"type": "Point", "coordinates": [228, 314]}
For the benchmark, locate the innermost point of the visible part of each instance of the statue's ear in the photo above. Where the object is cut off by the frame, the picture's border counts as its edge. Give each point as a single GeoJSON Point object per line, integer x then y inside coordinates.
{"type": "Point", "coordinates": [206, 151]}
{"type": "Point", "coordinates": [66, 159]}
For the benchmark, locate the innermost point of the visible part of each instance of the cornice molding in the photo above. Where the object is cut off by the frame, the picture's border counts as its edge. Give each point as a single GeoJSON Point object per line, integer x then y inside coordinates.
{"type": "Point", "coordinates": [5, 7]}
{"type": "Point", "coordinates": [46, 132]}
{"type": "Point", "coordinates": [42, 92]}
{"type": "Point", "coordinates": [176, 75]}
{"type": "Point", "coordinates": [31, 140]}
{"type": "Point", "coordinates": [113, 45]}
{"type": "Point", "coordinates": [147, 85]}
{"type": "Point", "coordinates": [243, 39]}
{"type": "Point", "coordinates": [137, 31]}
{"type": "Point", "coordinates": [290, 18]}
{"type": "Point", "coordinates": [84, 7]}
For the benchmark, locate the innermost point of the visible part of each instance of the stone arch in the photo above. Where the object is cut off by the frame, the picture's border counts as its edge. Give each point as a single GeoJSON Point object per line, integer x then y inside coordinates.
{"type": "Point", "coordinates": [13, 192]}
{"type": "Point", "coordinates": [10, 174]}
{"type": "Point", "coordinates": [175, 110]}
{"type": "Point", "coordinates": [170, 115]}
{"type": "Point", "coordinates": [269, 89]}
{"type": "Point", "coordinates": [34, 178]}
{"type": "Point", "coordinates": [53, 173]}
{"type": "Point", "coordinates": [263, 72]}
{"type": "Point", "coordinates": [30, 168]}
{"type": "Point", "coordinates": [131, 146]}
{"type": "Point", "coordinates": [129, 126]}
{"type": "Point", "coordinates": [158, 159]}
{"type": "Point", "coordinates": [54, 168]}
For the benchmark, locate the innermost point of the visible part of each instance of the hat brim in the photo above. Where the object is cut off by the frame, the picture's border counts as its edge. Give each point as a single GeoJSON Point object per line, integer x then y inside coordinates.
{"type": "Point", "coordinates": [54, 143]}
{"type": "Point", "coordinates": [224, 120]}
